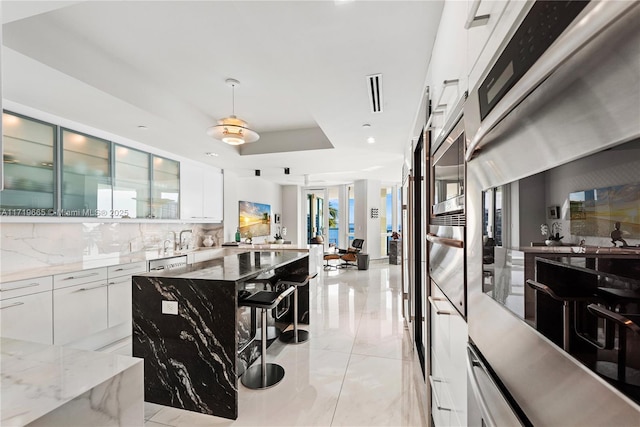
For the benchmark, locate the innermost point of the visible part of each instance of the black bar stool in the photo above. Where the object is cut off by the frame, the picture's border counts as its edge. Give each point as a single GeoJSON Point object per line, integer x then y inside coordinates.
{"type": "Point", "coordinates": [295, 336]}
{"type": "Point", "coordinates": [624, 322]}
{"type": "Point", "coordinates": [273, 332]}
{"type": "Point", "coordinates": [265, 374]}
{"type": "Point", "coordinates": [577, 295]}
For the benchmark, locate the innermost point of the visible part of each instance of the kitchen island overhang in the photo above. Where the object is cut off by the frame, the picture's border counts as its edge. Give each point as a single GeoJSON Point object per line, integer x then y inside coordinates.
{"type": "Point", "coordinates": [186, 323]}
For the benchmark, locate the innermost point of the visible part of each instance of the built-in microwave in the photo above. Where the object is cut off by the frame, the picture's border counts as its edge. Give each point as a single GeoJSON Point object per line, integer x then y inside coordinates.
{"type": "Point", "coordinates": [448, 173]}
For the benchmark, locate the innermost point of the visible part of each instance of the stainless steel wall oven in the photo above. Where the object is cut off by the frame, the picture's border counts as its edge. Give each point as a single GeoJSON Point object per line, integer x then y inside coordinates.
{"type": "Point", "coordinates": [569, 123]}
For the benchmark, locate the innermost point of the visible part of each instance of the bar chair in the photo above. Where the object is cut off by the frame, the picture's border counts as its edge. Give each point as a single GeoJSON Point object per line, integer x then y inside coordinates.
{"type": "Point", "coordinates": [265, 374]}
{"type": "Point", "coordinates": [295, 336]}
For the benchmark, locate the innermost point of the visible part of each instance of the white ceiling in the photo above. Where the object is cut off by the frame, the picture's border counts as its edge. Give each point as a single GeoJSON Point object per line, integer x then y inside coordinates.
{"type": "Point", "coordinates": [163, 64]}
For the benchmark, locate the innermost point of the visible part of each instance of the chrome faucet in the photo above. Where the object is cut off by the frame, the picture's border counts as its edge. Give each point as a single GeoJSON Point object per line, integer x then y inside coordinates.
{"type": "Point", "coordinates": [172, 241]}
{"type": "Point", "coordinates": [181, 241]}
{"type": "Point", "coordinates": [164, 245]}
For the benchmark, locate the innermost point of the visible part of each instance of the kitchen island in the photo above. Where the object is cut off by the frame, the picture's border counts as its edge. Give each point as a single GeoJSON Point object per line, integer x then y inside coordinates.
{"type": "Point", "coordinates": [188, 328]}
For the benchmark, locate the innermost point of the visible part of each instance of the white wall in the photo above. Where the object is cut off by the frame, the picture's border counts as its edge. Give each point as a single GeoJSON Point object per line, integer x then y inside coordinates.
{"type": "Point", "coordinates": [367, 197]}
{"type": "Point", "coordinates": [251, 189]}
{"type": "Point", "coordinates": [292, 214]}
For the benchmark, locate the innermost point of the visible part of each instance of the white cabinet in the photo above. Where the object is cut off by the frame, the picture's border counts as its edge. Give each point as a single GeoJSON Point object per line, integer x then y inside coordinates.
{"type": "Point", "coordinates": [448, 376]}
{"type": "Point", "coordinates": [79, 305]}
{"type": "Point", "coordinates": [448, 63]}
{"type": "Point", "coordinates": [119, 293]}
{"type": "Point", "coordinates": [26, 310]}
{"type": "Point", "coordinates": [201, 192]}
{"type": "Point", "coordinates": [213, 195]}
{"type": "Point", "coordinates": [487, 41]}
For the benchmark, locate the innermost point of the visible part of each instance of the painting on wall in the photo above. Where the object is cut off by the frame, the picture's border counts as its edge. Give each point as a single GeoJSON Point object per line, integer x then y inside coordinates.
{"type": "Point", "coordinates": [596, 212]}
{"type": "Point", "coordinates": [255, 219]}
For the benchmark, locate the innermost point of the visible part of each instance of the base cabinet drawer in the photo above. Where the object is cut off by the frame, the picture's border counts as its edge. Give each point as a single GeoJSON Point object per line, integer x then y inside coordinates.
{"type": "Point", "coordinates": [28, 318]}
{"type": "Point", "coordinates": [79, 311]}
{"type": "Point", "coordinates": [120, 301]}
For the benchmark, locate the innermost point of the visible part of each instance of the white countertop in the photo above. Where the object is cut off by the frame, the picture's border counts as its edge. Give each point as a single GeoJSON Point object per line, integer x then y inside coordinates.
{"type": "Point", "coordinates": [37, 378]}
{"type": "Point", "coordinates": [107, 261]}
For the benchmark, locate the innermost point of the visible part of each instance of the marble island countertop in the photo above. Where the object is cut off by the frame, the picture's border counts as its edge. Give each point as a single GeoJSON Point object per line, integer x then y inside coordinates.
{"type": "Point", "coordinates": [233, 267]}
{"type": "Point", "coordinates": [38, 379]}
{"type": "Point", "coordinates": [109, 260]}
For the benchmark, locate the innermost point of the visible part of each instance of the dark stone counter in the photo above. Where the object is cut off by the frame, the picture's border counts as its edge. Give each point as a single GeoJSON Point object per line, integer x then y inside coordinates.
{"type": "Point", "coordinates": [188, 328]}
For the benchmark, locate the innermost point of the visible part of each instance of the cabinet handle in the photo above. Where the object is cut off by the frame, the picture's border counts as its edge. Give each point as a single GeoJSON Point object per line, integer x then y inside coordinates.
{"type": "Point", "coordinates": [89, 289]}
{"type": "Point", "coordinates": [82, 276]}
{"type": "Point", "coordinates": [126, 268]}
{"type": "Point", "coordinates": [30, 285]}
{"type": "Point", "coordinates": [432, 301]}
{"type": "Point", "coordinates": [117, 283]}
{"type": "Point", "coordinates": [472, 19]}
{"type": "Point", "coordinates": [15, 304]}
{"type": "Point", "coordinates": [432, 381]}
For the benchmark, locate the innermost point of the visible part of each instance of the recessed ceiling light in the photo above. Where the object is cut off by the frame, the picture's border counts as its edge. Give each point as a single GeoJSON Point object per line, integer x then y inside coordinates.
{"type": "Point", "coordinates": [210, 154]}
{"type": "Point", "coordinates": [371, 140]}
{"type": "Point", "coordinates": [142, 127]}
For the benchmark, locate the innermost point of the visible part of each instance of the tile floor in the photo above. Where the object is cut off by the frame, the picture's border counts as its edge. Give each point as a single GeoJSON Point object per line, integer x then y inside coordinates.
{"type": "Point", "coordinates": [357, 369]}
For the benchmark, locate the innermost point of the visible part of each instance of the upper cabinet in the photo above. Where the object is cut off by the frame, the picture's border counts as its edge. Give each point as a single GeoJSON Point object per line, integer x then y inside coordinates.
{"type": "Point", "coordinates": [470, 36]}
{"type": "Point", "coordinates": [28, 158]}
{"type": "Point", "coordinates": [131, 183]}
{"type": "Point", "coordinates": [448, 68]}
{"type": "Point", "coordinates": [201, 190]}
{"type": "Point", "coordinates": [86, 175]}
{"type": "Point", "coordinates": [50, 171]}
{"type": "Point", "coordinates": [487, 41]}
{"type": "Point", "coordinates": [165, 188]}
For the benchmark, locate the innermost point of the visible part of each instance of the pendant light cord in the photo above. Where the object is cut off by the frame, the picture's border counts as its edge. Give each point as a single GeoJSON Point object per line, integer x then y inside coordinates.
{"type": "Point", "coordinates": [233, 100]}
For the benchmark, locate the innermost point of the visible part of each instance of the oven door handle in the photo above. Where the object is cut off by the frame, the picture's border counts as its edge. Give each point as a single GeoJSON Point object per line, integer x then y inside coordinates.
{"type": "Point", "coordinates": [454, 243]}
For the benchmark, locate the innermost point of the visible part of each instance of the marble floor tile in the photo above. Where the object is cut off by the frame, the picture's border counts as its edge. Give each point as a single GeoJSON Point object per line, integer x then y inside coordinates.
{"type": "Point", "coordinates": [358, 367]}
{"type": "Point", "coordinates": [391, 398]}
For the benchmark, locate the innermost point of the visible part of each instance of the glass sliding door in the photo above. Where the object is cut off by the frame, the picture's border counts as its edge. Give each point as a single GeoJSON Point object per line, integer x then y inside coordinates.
{"type": "Point", "coordinates": [86, 175]}
{"type": "Point", "coordinates": [29, 173]}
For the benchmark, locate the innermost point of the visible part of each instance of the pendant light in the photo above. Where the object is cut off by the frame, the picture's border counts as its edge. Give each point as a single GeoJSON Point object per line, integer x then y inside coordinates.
{"type": "Point", "coordinates": [233, 130]}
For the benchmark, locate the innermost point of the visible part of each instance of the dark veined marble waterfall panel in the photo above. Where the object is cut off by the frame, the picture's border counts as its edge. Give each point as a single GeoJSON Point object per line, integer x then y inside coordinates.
{"type": "Point", "coordinates": [189, 358]}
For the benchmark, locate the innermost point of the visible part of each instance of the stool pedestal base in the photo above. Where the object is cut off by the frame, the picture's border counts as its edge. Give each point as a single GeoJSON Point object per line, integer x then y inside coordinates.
{"type": "Point", "coordinates": [290, 338]}
{"type": "Point", "coordinates": [253, 377]}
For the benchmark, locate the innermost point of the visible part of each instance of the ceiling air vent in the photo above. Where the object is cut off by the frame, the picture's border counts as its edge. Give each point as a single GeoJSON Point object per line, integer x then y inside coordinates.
{"type": "Point", "coordinates": [374, 85]}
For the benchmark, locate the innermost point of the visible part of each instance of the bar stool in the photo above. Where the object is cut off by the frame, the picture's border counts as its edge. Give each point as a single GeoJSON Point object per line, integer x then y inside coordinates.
{"type": "Point", "coordinates": [273, 332]}
{"type": "Point", "coordinates": [266, 374]}
{"type": "Point", "coordinates": [577, 295]}
{"type": "Point", "coordinates": [295, 336]}
{"type": "Point", "coordinates": [624, 322]}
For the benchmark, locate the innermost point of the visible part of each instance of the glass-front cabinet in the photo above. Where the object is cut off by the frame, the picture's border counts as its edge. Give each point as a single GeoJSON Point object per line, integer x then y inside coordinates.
{"type": "Point", "coordinates": [165, 188]}
{"type": "Point", "coordinates": [29, 175]}
{"type": "Point", "coordinates": [86, 175]}
{"type": "Point", "coordinates": [132, 184]}
{"type": "Point", "coordinates": [57, 172]}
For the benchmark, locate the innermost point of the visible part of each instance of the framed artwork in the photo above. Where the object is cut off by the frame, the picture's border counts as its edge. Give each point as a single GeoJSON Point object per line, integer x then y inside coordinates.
{"type": "Point", "coordinates": [595, 212]}
{"type": "Point", "coordinates": [553, 212]}
{"type": "Point", "coordinates": [255, 219]}
{"type": "Point", "coordinates": [276, 218]}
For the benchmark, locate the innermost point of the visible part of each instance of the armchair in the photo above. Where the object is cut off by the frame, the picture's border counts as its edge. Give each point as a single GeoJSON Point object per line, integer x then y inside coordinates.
{"type": "Point", "coordinates": [350, 255]}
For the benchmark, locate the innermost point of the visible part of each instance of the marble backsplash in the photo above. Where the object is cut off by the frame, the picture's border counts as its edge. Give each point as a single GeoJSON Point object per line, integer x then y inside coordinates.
{"type": "Point", "coordinates": [25, 246]}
